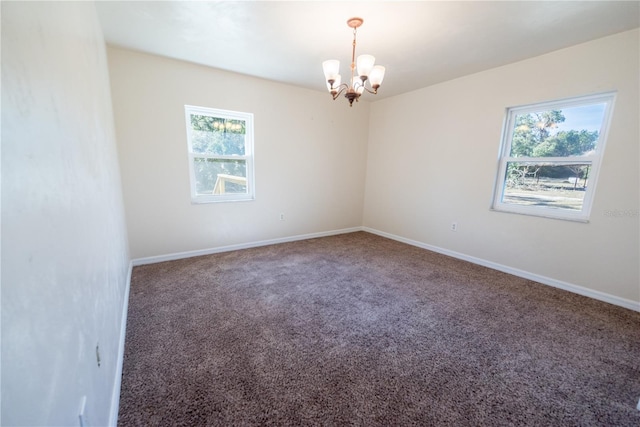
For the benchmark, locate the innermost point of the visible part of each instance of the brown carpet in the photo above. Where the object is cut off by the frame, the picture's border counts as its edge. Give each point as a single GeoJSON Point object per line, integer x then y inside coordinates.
{"type": "Point", "coordinates": [357, 329]}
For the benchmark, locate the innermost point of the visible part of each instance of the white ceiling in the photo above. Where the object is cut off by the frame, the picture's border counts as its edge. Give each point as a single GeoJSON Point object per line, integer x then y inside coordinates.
{"type": "Point", "coordinates": [420, 43]}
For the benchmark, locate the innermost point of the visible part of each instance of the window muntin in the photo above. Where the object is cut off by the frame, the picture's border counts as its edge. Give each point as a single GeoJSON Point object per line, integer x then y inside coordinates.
{"type": "Point", "coordinates": [550, 157]}
{"type": "Point", "coordinates": [220, 145]}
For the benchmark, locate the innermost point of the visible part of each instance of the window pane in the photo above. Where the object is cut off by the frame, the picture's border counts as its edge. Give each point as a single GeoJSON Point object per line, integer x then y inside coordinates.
{"type": "Point", "coordinates": [216, 135]}
{"type": "Point", "coordinates": [216, 176]}
{"type": "Point", "coordinates": [563, 132]}
{"type": "Point", "coordinates": [546, 185]}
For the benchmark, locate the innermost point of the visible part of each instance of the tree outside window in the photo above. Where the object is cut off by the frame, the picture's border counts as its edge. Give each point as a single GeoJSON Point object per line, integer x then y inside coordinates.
{"type": "Point", "coordinates": [550, 157]}
{"type": "Point", "coordinates": [220, 154]}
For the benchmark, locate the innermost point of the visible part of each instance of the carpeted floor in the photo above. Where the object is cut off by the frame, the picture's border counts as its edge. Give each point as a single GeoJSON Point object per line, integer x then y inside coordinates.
{"type": "Point", "coordinates": [357, 329]}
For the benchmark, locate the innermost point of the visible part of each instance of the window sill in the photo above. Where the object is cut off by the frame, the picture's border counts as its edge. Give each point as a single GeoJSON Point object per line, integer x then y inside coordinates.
{"type": "Point", "coordinates": [549, 214]}
{"type": "Point", "coordinates": [204, 201]}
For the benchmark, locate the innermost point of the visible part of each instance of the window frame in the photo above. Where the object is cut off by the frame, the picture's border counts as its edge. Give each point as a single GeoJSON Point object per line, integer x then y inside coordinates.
{"type": "Point", "coordinates": [248, 156]}
{"type": "Point", "coordinates": [594, 159]}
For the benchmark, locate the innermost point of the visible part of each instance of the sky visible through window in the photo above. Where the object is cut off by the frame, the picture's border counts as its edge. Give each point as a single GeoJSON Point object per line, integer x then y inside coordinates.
{"type": "Point", "coordinates": [587, 117]}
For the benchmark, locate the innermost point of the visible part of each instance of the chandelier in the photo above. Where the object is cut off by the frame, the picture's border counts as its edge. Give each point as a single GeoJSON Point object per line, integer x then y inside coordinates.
{"type": "Point", "coordinates": [366, 72]}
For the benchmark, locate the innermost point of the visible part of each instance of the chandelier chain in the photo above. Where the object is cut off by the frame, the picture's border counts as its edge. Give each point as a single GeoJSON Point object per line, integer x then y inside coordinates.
{"type": "Point", "coordinates": [353, 53]}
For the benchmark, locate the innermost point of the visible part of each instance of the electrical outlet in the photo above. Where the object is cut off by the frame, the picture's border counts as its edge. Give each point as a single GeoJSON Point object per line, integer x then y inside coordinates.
{"type": "Point", "coordinates": [454, 226]}
{"type": "Point", "coordinates": [281, 217]}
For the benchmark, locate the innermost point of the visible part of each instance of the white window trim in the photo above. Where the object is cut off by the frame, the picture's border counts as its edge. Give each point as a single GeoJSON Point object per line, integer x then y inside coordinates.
{"type": "Point", "coordinates": [595, 159]}
{"type": "Point", "coordinates": [248, 155]}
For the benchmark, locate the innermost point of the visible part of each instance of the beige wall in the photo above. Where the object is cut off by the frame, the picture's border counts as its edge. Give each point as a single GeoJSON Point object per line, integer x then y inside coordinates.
{"type": "Point", "coordinates": [64, 241]}
{"type": "Point", "coordinates": [310, 156]}
{"type": "Point", "coordinates": [439, 166]}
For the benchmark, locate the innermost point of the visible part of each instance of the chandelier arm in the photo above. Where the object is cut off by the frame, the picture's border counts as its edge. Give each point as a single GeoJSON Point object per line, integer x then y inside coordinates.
{"type": "Point", "coordinates": [374, 91]}
{"type": "Point", "coordinates": [342, 87]}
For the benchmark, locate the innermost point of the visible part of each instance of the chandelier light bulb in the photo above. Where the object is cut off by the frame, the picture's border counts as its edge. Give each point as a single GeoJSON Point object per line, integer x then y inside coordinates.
{"type": "Point", "coordinates": [331, 69]}
{"type": "Point", "coordinates": [376, 76]}
{"type": "Point", "coordinates": [365, 64]}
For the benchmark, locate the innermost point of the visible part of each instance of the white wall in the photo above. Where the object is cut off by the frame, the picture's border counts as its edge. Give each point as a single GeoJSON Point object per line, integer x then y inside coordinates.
{"type": "Point", "coordinates": [440, 167]}
{"type": "Point", "coordinates": [64, 243]}
{"type": "Point", "coordinates": [310, 156]}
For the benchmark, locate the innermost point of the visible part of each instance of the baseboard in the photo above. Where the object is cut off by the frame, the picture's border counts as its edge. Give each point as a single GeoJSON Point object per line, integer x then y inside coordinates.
{"type": "Point", "coordinates": [115, 397]}
{"type": "Point", "coordinates": [189, 254]}
{"type": "Point", "coordinates": [601, 296]}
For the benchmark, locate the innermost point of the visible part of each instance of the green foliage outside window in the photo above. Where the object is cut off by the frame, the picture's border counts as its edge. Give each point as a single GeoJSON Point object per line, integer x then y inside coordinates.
{"type": "Point", "coordinates": [218, 137]}
{"type": "Point", "coordinates": [537, 135]}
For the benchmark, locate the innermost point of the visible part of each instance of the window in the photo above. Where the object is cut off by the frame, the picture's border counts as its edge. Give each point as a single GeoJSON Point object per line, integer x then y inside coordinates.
{"type": "Point", "coordinates": [550, 156]}
{"type": "Point", "coordinates": [220, 154]}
